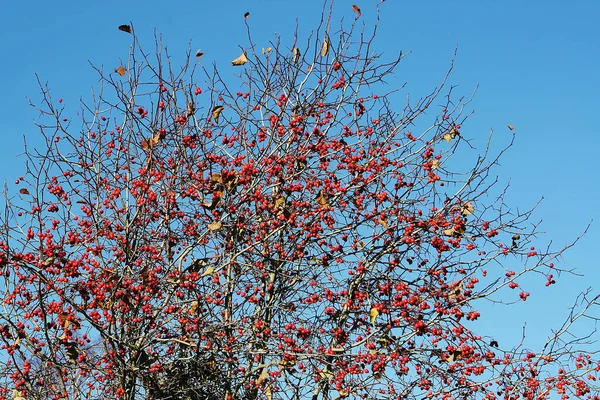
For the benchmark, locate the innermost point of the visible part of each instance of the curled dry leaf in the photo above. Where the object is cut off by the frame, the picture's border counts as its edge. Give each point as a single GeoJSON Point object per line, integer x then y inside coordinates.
{"type": "Point", "coordinates": [150, 143]}
{"type": "Point", "coordinates": [455, 232]}
{"type": "Point", "coordinates": [24, 191]}
{"type": "Point", "coordinates": [322, 199]}
{"type": "Point", "coordinates": [194, 307]}
{"type": "Point", "coordinates": [216, 178]}
{"type": "Point", "coordinates": [356, 10]}
{"type": "Point", "coordinates": [125, 28]}
{"type": "Point", "coordinates": [456, 290]}
{"type": "Point", "coordinates": [383, 222]}
{"type": "Point", "coordinates": [199, 53]}
{"type": "Point", "coordinates": [325, 48]}
{"type": "Point", "coordinates": [216, 112]}
{"type": "Point", "coordinates": [267, 50]}
{"type": "Point", "coordinates": [435, 164]}
{"type": "Point", "coordinates": [241, 60]}
{"type": "Point", "coordinates": [297, 54]}
{"type": "Point", "coordinates": [214, 226]}
{"type": "Point", "coordinates": [467, 208]}
{"type": "Point", "coordinates": [190, 109]}
{"type": "Point", "coordinates": [263, 376]}
{"type": "Point", "coordinates": [512, 128]}
{"type": "Point", "coordinates": [455, 355]}
{"type": "Point", "coordinates": [450, 135]}
{"type": "Point", "coordinates": [246, 14]}
{"type": "Point", "coordinates": [120, 70]}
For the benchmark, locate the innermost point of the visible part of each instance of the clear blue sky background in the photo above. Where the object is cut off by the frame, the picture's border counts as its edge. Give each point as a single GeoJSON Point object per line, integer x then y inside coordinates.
{"type": "Point", "coordinates": [536, 62]}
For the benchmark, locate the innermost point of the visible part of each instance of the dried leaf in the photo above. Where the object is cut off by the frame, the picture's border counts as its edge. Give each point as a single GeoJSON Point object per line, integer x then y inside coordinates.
{"type": "Point", "coordinates": [297, 54]}
{"type": "Point", "coordinates": [286, 364]}
{"type": "Point", "coordinates": [194, 307]}
{"type": "Point", "coordinates": [455, 232]}
{"type": "Point", "coordinates": [378, 374]}
{"type": "Point", "coordinates": [269, 392]}
{"type": "Point", "coordinates": [373, 314]}
{"type": "Point", "coordinates": [199, 54]}
{"type": "Point", "coordinates": [208, 271]}
{"type": "Point", "coordinates": [356, 10]}
{"type": "Point", "coordinates": [467, 208]}
{"type": "Point", "coordinates": [150, 143]}
{"type": "Point", "coordinates": [435, 164]}
{"type": "Point", "coordinates": [455, 355]}
{"type": "Point", "coordinates": [120, 70]}
{"type": "Point", "coordinates": [450, 135]}
{"type": "Point", "coordinates": [383, 222]}
{"type": "Point", "coordinates": [322, 199]}
{"type": "Point", "coordinates": [65, 322]}
{"type": "Point", "coordinates": [215, 226]}
{"type": "Point", "coordinates": [267, 50]}
{"type": "Point", "coordinates": [125, 28]}
{"type": "Point", "coordinates": [241, 60]}
{"type": "Point", "coordinates": [216, 112]}
{"type": "Point", "coordinates": [512, 128]}
{"type": "Point", "coordinates": [279, 202]}
{"type": "Point", "coordinates": [263, 376]}
{"type": "Point", "coordinates": [17, 395]}
{"type": "Point", "coordinates": [24, 191]}
{"type": "Point", "coordinates": [216, 178]}
{"type": "Point", "coordinates": [246, 14]}
{"type": "Point", "coordinates": [456, 290]}
{"type": "Point", "coordinates": [325, 48]}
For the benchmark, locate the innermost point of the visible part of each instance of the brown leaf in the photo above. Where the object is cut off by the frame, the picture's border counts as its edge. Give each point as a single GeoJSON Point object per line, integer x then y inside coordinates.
{"type": "Point", "coordinates": [322, 199]}
{"type": "Point", "coordinates": [241, 60]}
{"type": "Point", "coordinates": [246, 14]}
{"type": "Point", "coordinates": [150, 143]}
{"type": "Point", "coordinates": [65, 322]}
{"type": "Point", "coordinates": [215, 226]}
{"type": "Point", "coordinates": [512, 128]}
{"type": "Point", "coordinates": [325, 48]}
{"type": "Point", "coordinates": [24, 191]}
{"type": "Point", "coordinates": [216, 178]}
{"type": "Point", "coordinates": [125, 28]}
{"type": "Point", "coordinates": [297, 54]}
{"type": "Point", "coordinates": [383, 222]}
{"type": "Point", "coordinates": [199, 54]}
{"type": "Point", "coordinates": [194, 307]}
{"type": "Point", "coordinates": [120, 70]}
{"type": "Point", "coordinates": [216, 112]}
{"type": "Point", "coordinates": [356, 10]}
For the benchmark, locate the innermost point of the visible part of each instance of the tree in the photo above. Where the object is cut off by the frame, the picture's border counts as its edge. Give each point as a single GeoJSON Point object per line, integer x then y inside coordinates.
{"type": "Point", "coordinates": [288, 235]}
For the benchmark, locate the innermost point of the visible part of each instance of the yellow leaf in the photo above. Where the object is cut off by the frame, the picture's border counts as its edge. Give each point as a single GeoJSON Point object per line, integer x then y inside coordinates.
{"type": "Point", "coordinates": [214, 226]}
{"type": "Point", "coordinates": [208, 271]}
{"type": "Point", "coordinates": [455, 355]}
{"type": "Point", "coordinates": [373, 314]}
{"type": "Point", "coordinates": [467, 208]}
{"type": "Point", "coordinates": [435, 164]}
{"type": "Point", "coordinates": [456, 290]}
{"type": "Point", "coordinates": [450, 135]}
{"type": "Point", "coordinates": [455, 232]}
{"type": "Point", "coordinates": [241, 60]}
{"type": "Point", "coordinates": [267, 50]}
{"type": "Point", "coordinates": [269, 392]}
{"type": "Point", "coordinates": [194, 307]}
{"type": "Point", "coordinates": [17, 395]}
{"type": "Point", "coordinates": [325, 48]}
{"type": "Point", "coordinates": [216, 111]}
{"type": "Point", "coordinates": [263, 376]}
{"type": "Point", "coordinates": [383, 222]}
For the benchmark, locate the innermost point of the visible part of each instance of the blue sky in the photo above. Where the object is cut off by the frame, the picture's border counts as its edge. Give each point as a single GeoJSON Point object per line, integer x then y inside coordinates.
{"type": "Point", "coordinates": [535, 64]}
